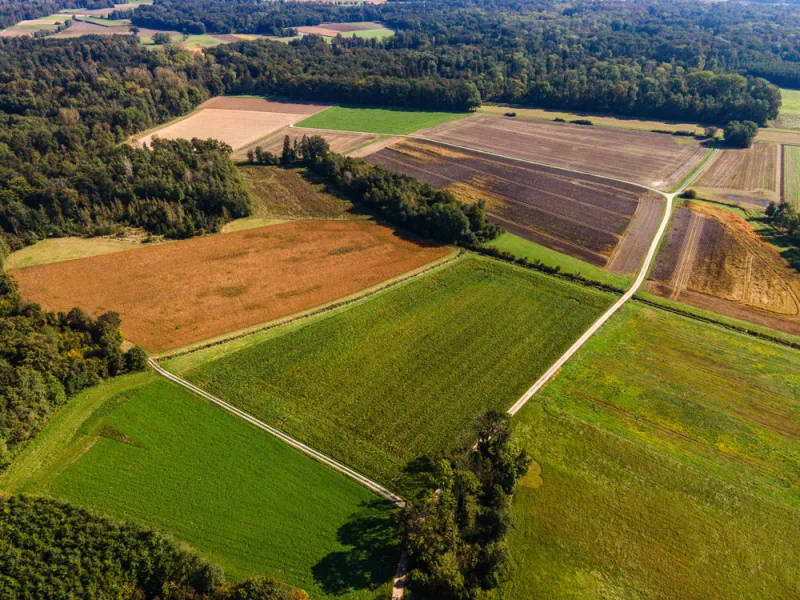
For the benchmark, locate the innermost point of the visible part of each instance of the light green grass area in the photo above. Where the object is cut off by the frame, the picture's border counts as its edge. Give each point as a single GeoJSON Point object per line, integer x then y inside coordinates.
{"type": "Point", "coordinates": [408, 371]}
{"type": "Point", "coordinates": [791, 175]}
{"type": "Point", "coordinates": [190, 42]}
{"type": "Point", "coordinates": [68, 248]}
{"type": "Point", "coordinates": [789, 115]}
{"type": "Point", "coordinates": [670, 468]}
{"type": "Point", "coordinates": [378, 33]}
{"type": "Point", "coordinates": [522, 248]}
{"type": "Point", "coordinates": [48, 23]}
{"type": "Point", "coordinates": [104, 22]}
{"type": "Point", "coordinates": [377, 120]}
{"type": "Point", "coordinates": [140, 448]}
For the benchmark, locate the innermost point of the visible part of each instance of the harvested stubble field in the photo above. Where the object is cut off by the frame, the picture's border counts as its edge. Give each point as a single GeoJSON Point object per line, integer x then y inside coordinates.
{"type": "Point", "coordinates": [175, 294]}
{"type": "Point", "coordinates": [579, 215]}
{"type": "Point", "coordinates": [753, 173]}
{"type": "Point", "coordinates": [714, 260]}
{"type": "Point", "coordinates": [406, 372]}
{"type": "Point", "coordinates": [663, 444]}
{"type": "Point", "coordinates": [339, 141]}
{"type": "Point", "coordinates": [236, 121]}
{"type": "Point", "coordinates": [791, 175]}
{"type": "Point", "coordinates": [652, 159]}
{"type": "Point", "coordinates": [140, 448]}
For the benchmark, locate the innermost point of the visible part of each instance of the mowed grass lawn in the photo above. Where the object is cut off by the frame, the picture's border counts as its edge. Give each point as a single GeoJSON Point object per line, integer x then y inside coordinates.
{"type": "Point", "coordinates": [377, 120]}
{"type": "Point", "coordinates": [151, 452]}
{"type": "Point", "coordinates": [670, 468]}
{"type": "Point", "coordinates": [406, 372]}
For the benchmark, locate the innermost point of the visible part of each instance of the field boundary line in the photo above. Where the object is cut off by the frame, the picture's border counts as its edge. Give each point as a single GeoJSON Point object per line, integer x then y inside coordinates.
{"type": "Point", "coordinates": [307, 450]}
{"type": "Point", "coordinates": [315, 311]}
{"type": "Point", "coordinates": [643, 272]}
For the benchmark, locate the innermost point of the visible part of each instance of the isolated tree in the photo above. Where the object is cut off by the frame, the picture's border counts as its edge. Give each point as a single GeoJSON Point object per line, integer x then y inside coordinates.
{"type": "Point", "coordinates": [740, 134]}
{"type": "Point", "coordinates": [161, 38]}
{"type": "Point", "coordinates": [288, 155]}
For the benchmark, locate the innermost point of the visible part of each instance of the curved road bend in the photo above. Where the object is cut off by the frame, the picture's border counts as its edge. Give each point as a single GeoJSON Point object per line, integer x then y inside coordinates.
{"type": "Point", "coordinates": [550, 373]}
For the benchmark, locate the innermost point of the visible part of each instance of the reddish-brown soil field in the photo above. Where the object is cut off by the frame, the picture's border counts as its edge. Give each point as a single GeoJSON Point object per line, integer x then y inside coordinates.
{"type": "Point", "coordinates": [261, 105]}
{"type": "Point", "coordinates": [754, 173]}
{"type": "Point", "coordinates": [347, 27]}
{"type": "Point", "coordinates": [580, 215]}
{"type": "Point", "coordinates": [652, 159]}
{"type": "Point", "coordinates": [339, 141]}
{"type": "Point", "coordinates": [712, 259]}
{"type": "Point", "coordinates": [178, 293]}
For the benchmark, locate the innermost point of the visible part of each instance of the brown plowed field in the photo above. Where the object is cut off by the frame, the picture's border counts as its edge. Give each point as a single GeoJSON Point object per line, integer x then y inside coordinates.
{"type": "Point", "coordinates": [252, 120]}
{"type": "Point", "coordinates": [651, 159]}
{"type": "Point", "coordinates": [81, 28]}
{"type": "Point", "coordinates": [580, 215]}
{"type": "Point", "coordinates": [753, 173]}
{"type": "Point", "coordinates": [712, 259]}
{"type": "Point", "coordinates": [339, 141]}
{"type": "Point", "coordinates": [174, 294]}
{"type": "Point", "coordinates": [630, 252]}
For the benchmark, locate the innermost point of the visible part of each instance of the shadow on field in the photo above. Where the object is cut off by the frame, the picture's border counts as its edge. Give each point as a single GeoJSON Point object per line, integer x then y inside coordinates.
{"type": "Point", "coordinates": [372, 556]}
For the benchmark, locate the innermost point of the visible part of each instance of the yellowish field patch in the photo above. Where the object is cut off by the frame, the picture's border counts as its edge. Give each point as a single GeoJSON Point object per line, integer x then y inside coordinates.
{"type": "Point", "coordinates": [237, 128]}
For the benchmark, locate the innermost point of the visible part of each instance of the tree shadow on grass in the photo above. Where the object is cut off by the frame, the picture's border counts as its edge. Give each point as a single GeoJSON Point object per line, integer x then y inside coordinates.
{"type": "Point", "coordinates": [371, 558]}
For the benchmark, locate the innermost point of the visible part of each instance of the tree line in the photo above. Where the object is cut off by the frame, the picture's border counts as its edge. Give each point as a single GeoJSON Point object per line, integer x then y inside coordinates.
{"type": "Point", "coordinates": [455, 527]}
{"type": "Point", "coordinates": [404, 201]}
{"type": "Point", "coordinates": [784, 217]}
{"type": "Point", "coordinates": [51, 549]}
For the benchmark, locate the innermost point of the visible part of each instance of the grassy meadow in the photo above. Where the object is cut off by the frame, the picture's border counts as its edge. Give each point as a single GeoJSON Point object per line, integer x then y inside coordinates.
{"type": "Point", "coordinates": [523, 248]}
{"type": "Point", "coordinates": [405, 372]}
{"type": "Point", "coordinates": [791, 174]}
{"type": "Point", "coordinates": [670, 468]}
{"type": "Point", "coordinates": [377, 120]}
{"type": "Point", "coordinates": [789, 115]}
{"type": "Point", "coordinates": [140, 448]}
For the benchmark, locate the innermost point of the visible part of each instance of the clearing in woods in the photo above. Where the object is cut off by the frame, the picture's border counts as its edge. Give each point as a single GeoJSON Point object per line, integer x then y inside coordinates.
{"type": "Point", "coordinates": [170, 295]}
{"type": "Point", "coordinates": [791, 175]}
{"type": "Point", "coordinates": [652, 159]}
{"type": "Point", "coordinates": [143, 449]}
{"type": "Point", "coordinates": [377, 120]}
{"type": "Point", "coordinates": [364, 29]}
{"type": "Point", "coordinates": [236, 121]}
{"type": "Point", "coordinates": [406, 372]}
{"type": "Point", "coordinates": [662, 445]}
{"type": "Point", "coordinates": [749, 175]}
{"type": "Point", "coordinates": [602, 222]}
{"type": "Point", "coordinates": [713, 259]}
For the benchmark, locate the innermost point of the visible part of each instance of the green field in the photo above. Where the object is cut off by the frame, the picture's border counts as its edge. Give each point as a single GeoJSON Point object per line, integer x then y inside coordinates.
{"type": "Point", "coordinates": [532, 251]}
{"type": "Point", "coordinates": [104, 22]}
{"type": "Point", "coordinates": [377, 120]}
{"type": "Point", "coordinates": [789, 115]}
{"type": "Point", "coordinates": [405, 372]}
{"type": "Point", "coordinates": [140, 448]}
{"type": "Point", "coordinates": [378, 33]}
{"type": "Point", "coordinates": [791, 175]}
{"type": "Point", "coordinates": [670, 468]}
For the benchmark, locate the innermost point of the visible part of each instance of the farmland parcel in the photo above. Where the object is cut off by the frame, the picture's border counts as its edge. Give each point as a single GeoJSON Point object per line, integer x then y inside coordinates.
{"type": "Point", "coordinates": [663, 445]}
{"type": "Point", "coordinates": [407, 372]}
{"type": "Point", "coordinates": [652, 159]}
{"type": "Point", "coordinates": [752, 174]}
{"type": "Point", "coordinates": [182, 292]}
{"type": "Point", "coordinates": [713, 259]}
{"type": "Point", "coordinates": [236, 121]}
{"type": "Point", "coordinates": [791, 176]}
{"type": "Point", "coordinates": [602, 222]}
{"type": "Point", "coordinates": [377, 120]}
{"type": "Point", "coordinates": [143, 449]}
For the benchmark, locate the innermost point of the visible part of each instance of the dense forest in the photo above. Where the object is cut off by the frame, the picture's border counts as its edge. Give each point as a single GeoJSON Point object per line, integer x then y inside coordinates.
{"type": "Point", "coordinates": [47, 357]}
{"type": "Point", "coordinates": [678, 60]}
{"type": "Point", "coordinates": [66, 106]}
{"type": "Point", "coordinates": [50, 549]}
{"type": "Point", "coordinates": [455, 527]}
{"type": "Point", "coordinates": [403, 201]}
{"type": "Point", "coordinates": [14, 11]}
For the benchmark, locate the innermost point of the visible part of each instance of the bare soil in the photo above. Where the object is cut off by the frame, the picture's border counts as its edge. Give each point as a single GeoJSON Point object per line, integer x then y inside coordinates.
{"type": "Point", "coordinates": [174, 294]}
{"type": "Point", "coordinates": [581, 215]}
{"type": "Point", "coordinates": [712, 259]}
{"type": "Point", "coordinates": [651, 159]}
{"type": "Point", "coordinates": [262, 105]}
{"type": "Point", "coordinates": [629, 254]}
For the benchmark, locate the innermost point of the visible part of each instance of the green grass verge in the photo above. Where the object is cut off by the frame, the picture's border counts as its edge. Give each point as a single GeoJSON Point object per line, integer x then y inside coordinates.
{"type": "Point", "coordinates": [693, 172]}
{"type": "Point", "coordinates": [522, 248]}
{"type": "Point", "coordinates": [408, 371]}
{"type": "Point", "coordinates": [143, 449]}
{"type": "Point", "coordinates": [103, 22]}
{"type": "Point", "coordinates": [377, 120]}
{"type": "Point", "coordinates": [670, 468]}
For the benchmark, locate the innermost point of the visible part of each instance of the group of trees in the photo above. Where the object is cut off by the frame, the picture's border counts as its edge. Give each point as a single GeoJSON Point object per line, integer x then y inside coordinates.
{"type": "Point", "coordinates": [67, 106]}
{"type": "Point", "coordinates": [50, 549]}
{"type": "Point", "coordinates": [404, 201]}
{"type": "Point", "coordinates": [46, 357]}
{"type": "Point", "coordinates": [454, 529]}
{"type": "Point", "coordinates": [740, 134]}
{"type": "Point", "coordinates": [14, 11]}
{"type": "Point", "coordinates": [783, 216]}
